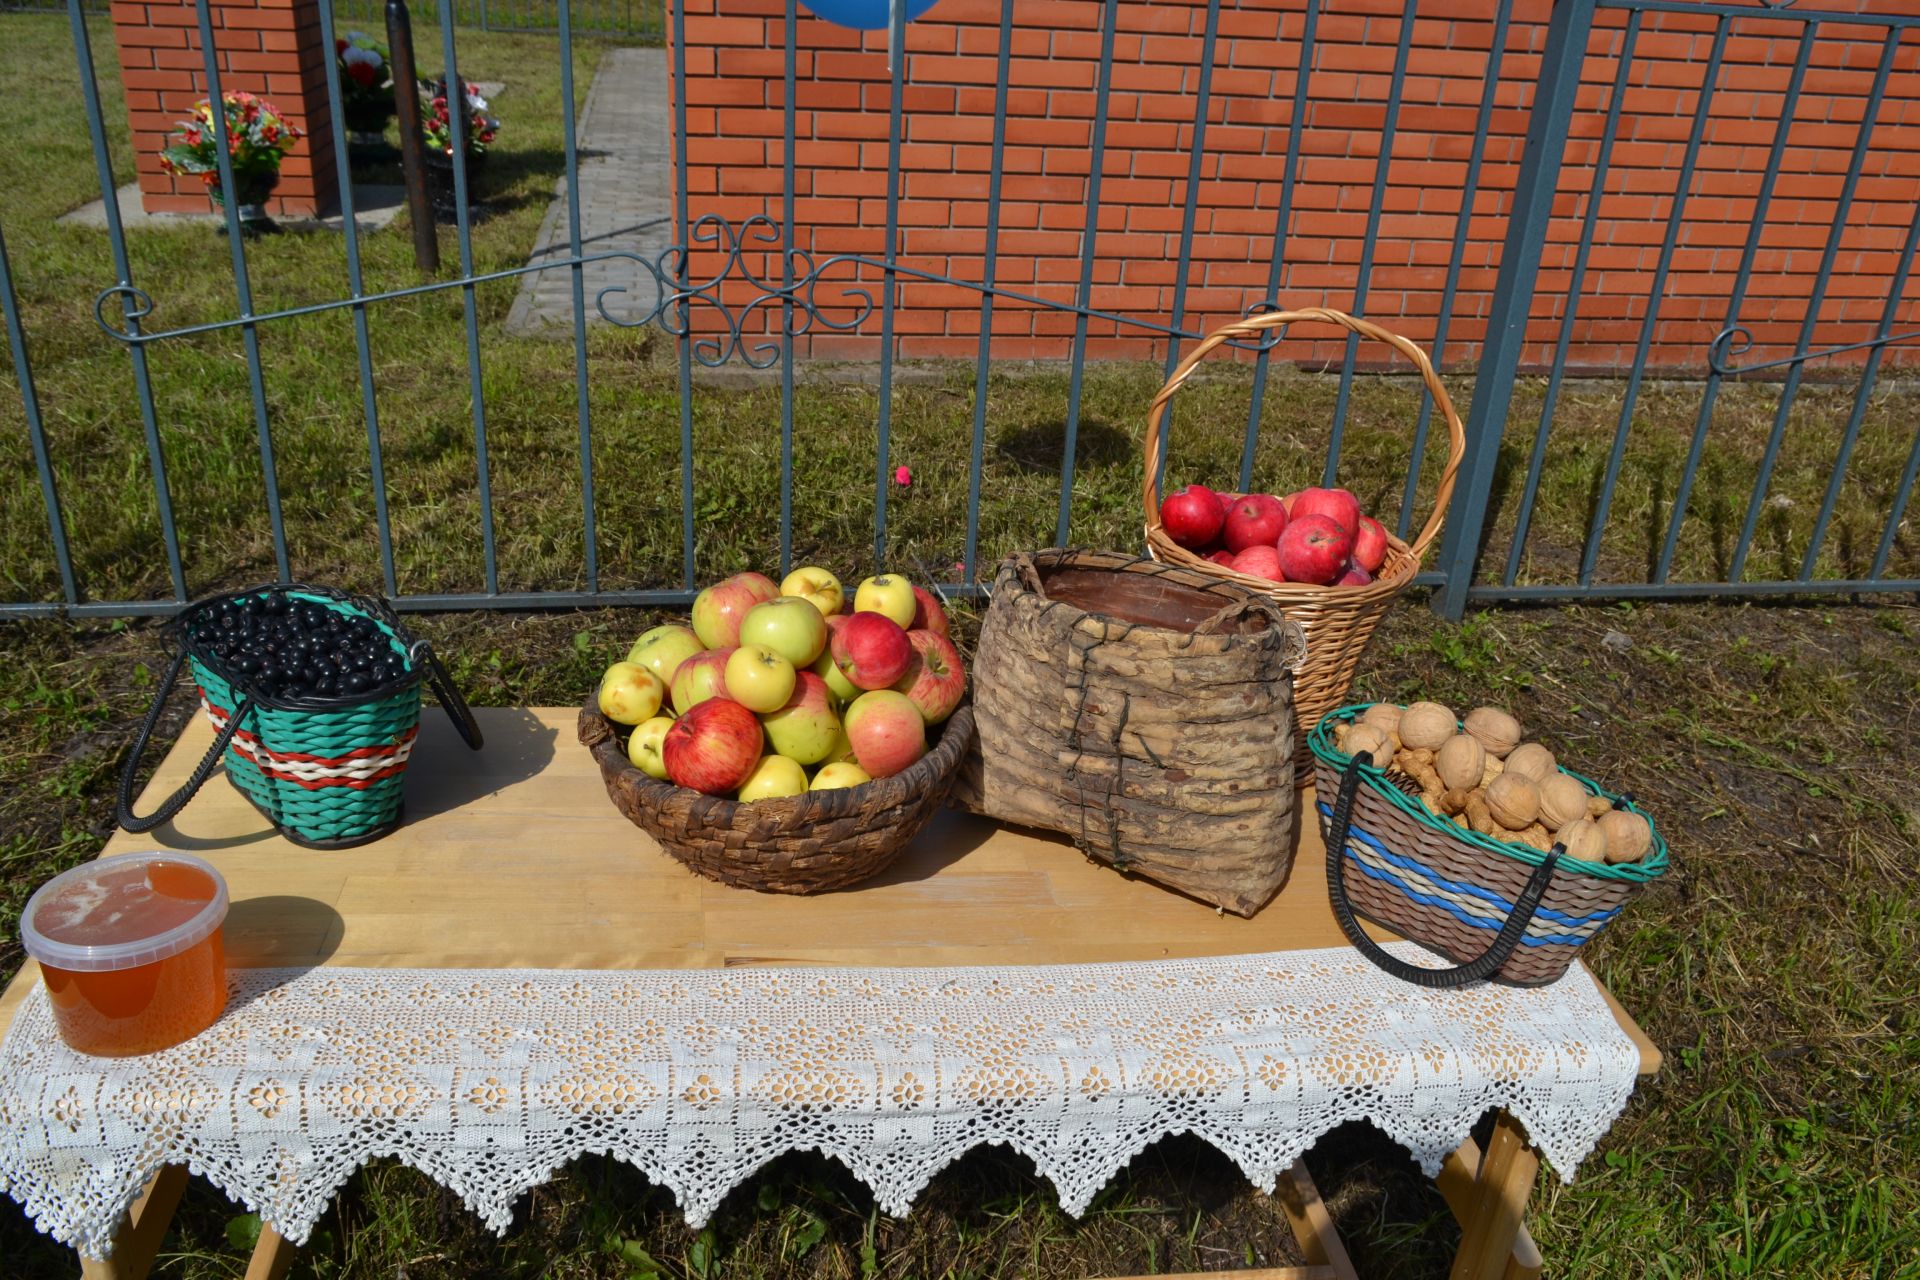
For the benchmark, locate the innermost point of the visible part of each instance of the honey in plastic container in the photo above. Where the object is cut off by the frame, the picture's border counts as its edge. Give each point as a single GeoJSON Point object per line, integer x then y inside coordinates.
{"type": "Point", "coordinates": [130, 951]}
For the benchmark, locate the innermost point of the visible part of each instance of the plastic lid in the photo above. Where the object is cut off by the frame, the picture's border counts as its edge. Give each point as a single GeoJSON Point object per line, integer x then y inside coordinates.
{"type": "Point", "coordinates": [123, 911]}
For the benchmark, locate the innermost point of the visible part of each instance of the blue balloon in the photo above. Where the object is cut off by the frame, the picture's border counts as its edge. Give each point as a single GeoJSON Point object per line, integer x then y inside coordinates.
{"type": "Point", "coordinates": [863, 15]}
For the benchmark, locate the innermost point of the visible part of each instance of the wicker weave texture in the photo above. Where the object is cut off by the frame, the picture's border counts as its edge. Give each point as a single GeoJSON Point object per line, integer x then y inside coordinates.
{"type": "Point", "coordinates": [1338, 621]}
{"type": "Point", "coordinates": [1163, 750]}
{"type": "Point", "coordinates": [1569, 892]}
{"type": "Point", "coordinates": [800, 844]}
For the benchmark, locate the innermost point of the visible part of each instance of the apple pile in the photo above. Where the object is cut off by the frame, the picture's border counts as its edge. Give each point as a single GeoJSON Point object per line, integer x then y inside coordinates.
{"type": "Point", "coordinates": [1315, 536]}
{"type": "Point", "coordinates": [774, 690]}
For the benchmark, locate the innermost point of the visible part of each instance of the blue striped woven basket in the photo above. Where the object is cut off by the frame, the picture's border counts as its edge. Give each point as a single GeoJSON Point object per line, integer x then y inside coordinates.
{"type": "Point", "coordinates": [1501, 910]}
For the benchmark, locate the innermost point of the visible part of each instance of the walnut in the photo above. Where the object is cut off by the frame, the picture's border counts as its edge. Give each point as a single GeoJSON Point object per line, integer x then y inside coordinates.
{"type": "Point", "coordinates": [1495, 730]}
{"type": "Point", "coordinates": [1627, 835]}
{"type": "Point", "coordinates": [1582, 839]}
{"type": "Point", "coordinates": [1367, 738]}
{"type": "Point", "coordinates": [1513, 801]}
{"type": "Point", "coordinates": [1561, 800]}
{"type": "Point", "coordinates": [1384, 716]}
{"type": "Point", "coordinates": [1427, 724]}
{"type": "Point", "coordinates": [1460, 762]}
{"type": "Point", "coordinates": [1531, 761]}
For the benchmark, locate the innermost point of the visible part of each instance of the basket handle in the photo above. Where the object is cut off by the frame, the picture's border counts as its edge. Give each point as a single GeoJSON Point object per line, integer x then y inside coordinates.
{"type": "Point", "coordinates": [421, 654]}
{"type": "Point", "coordinates": [1253, 327]}
{"type": "Point", "coordinates": [174, 803]}
{"type": "Point", "coordinates": [1475, 970]}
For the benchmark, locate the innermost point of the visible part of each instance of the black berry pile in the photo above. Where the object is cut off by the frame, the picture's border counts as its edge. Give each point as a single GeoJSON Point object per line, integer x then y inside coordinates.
{"type": "Point", "coordinates": [280, 647]}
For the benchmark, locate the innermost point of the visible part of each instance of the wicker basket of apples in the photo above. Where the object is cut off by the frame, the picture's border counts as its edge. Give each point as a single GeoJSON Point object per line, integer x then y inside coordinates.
{"type": "Point", "coordinates": [782, 742]}
{"type": "Point", "coordinates": [1330, 567]}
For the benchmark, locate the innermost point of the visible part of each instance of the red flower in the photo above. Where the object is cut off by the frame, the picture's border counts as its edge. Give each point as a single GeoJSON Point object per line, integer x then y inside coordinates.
{"type": "Point", "coordinates": [364, 74]}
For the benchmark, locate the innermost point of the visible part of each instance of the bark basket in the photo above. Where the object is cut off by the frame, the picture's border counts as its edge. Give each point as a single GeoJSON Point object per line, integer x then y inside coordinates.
{"type": "Point", "coordinates": [1144, 710]}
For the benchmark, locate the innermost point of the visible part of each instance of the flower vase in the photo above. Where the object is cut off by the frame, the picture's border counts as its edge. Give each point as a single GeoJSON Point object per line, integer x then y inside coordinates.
{"type": "Point", "coordinates": [366, 120]}
{"type": "Point", "coordinates": [440, 185]}
{"type": "Point", "coordinates": [250, 200]}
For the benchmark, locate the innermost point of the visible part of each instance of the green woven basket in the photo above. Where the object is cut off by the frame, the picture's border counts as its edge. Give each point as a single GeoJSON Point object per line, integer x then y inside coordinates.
{"type": "Point", "coordinates": [330, 772]}
{"type": "Point", "coordinates": [1501, 909]}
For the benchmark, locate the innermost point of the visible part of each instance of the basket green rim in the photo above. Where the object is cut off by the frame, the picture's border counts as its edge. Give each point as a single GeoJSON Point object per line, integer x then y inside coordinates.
{"type": "Point", "coordinates": [1320, 742]}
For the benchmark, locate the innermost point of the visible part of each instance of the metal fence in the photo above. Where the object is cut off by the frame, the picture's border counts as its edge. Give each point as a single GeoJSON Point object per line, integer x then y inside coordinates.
{"type": "Point", "coordinates": [639, 20]}
{"type": "Point", "coordinates": [1459, 574]}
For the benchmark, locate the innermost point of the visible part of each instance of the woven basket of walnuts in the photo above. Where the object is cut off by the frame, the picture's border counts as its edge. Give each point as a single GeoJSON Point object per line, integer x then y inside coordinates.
{"type": "Point", "coordinates": [1463, 836]}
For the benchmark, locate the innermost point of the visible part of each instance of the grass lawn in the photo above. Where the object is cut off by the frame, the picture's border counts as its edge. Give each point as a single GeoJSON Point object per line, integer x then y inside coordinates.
{"type": "Point", "coordinates": [1776, 965]}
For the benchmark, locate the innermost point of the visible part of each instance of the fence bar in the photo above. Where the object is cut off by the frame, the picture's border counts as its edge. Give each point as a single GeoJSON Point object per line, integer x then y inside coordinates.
{"type": "Point", "coordinates": [243, 292]}
{"type": "Point", "coordinates": [988, 266]}
{"type": "Point", "coordinates": [685, 238]}
{"type": "Point", "coordinates": [1496, 55]}
{"type": "Point", "coordinates": [1560, 62]}
{"type": "Point", "coordinates": [1692, 590]}
{"type": "Point", "coordinates": [1195, 156]}
{"type": "Point", "coordinates": [36, 435]}
{"type": "Point", "coordinates": [1536, 462]}
{"type": "Point", "coordinates": [130, 305]}
{"type": "Point", "coordinates": [1071, 445]}
{"type": "Point", "coordinates": [1590, 554]}
{"type": "Point", "coordinates": [786, 303]}
{"type": "Point", "coordinates": [1862, 19]}
{"type": "Point", "coordinates": [1296, 124]}
{"type": "Point", "coordinates": [590, 532]}
{"type": "Point", "coordinates": [897, 68]}
{"type": "Point", "coordinates": [457, 122]}
{"type": "Point", "coordinates": [1757, 226]}
{"type": "Point", "coordinates": [1836, 232]}
{"type": "Point", "coordinates": [350, 230]}
{"type": "Point", "coordinates": [1382, 169]}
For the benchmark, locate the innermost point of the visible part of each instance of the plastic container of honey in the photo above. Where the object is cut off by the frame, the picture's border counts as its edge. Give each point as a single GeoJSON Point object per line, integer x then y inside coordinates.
{"type": "Point", "coordinates": [130, 950]}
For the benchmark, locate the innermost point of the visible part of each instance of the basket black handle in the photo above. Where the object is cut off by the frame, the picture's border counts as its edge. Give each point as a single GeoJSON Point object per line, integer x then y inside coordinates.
{"type": "Point", "coordinates": [174, 803]}
{"type": "Point", "coordinates": [421, 654]}
{"type": "Point", "coordinates": [1476, 970]}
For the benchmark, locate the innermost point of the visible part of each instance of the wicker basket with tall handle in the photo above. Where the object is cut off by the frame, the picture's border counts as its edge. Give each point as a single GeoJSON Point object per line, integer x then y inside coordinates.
{"type": "Point", "coordinates": [1338, 621]}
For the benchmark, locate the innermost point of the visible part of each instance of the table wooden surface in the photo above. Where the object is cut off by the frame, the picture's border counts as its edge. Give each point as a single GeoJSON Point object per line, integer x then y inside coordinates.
{"type": "Point", "coordinates": [513, 857]}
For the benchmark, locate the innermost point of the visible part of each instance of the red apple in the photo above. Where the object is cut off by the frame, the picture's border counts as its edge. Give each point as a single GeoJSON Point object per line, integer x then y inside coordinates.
{"type": "Point", "coordinates": [936, 679]}
{"type": "Point", "coordinates": [1355, 576]}
{"type": "Point", "coordinates": [1314, 549]}
{"type": "Point", "coordinates": [713, 747]}
{"type": "Point", "coordinates": [1254, 520]}
{"type": "Point", "coordinates": [1260, 561]}
{"type": "Point", "coordinates": [928, 615]}
{"type": "Point", "coordinates": [719, 610]}
{"type": "Point", "coordinates": [1221, 557]}
{"type": "Point", "coordinates": [1370, 545]}
{"type": "Point", "coordinates": [1192, 516]}
{"type": "Point", "coordinates": [700, 677]}
{"type": "Point", "coordinates": [886, 731]}
{"type": "Point", "coordinates": [872, 651]}
{"type": "Point", "coordinates": [1337, 505]}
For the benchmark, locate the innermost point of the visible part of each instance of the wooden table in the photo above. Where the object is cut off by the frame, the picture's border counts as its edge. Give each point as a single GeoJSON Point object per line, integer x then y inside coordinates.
{"type": "Point", "coordinates": [513, 857]}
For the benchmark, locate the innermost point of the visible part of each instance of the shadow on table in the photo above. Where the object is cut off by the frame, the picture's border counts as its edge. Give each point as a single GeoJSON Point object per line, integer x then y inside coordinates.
{"type": "Point", "coordinates": [445, 774]}
{"type": "Point", "coordinates": [949, 837]}
{"type": "Point", "coordinates": [281, 930]}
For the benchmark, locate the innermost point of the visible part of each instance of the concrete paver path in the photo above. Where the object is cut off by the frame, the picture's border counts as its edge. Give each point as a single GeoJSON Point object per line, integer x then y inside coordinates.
{"type": "Point", "coordinates": [626, 199]}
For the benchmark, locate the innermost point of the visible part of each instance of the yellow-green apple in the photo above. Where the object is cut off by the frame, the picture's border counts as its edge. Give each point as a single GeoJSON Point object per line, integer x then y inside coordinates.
{"type": "Point", "coordinates": [789, 626]}
{"type": "Point", "coordinates": [629, 693]}
{"type": "Point", "coordinates": [700, 677]}
{"type": "Point", "coordinates": [772, 778]}
{"type": "Point", "coordinates": [643, 748]}
{"type": "Point", "coordinates": [758, 678]}
{"type": "Point", "coordinates": [1255, 519]}
{"type": "Point", "coordinates": [935, 680]}
{"type": "Point", "coordinates": [812, 583]}
{"type": "Point", "coordinates": [663, 649]}
{"type": "Point", "coordinates": [871, 650]}
{"type": "Point", "coordinates": [841, 749]}
{"type": "Point", "coordinates": [827, 670]}
{"type": "Point", "coordinates": [717, 611]}
{"type": "Point", "coordinates": [1192, 516]}
{"type": "Point", "coordinates": [839, 774]}
{"type": "Point", "coordinates": [1314, 549]}
{"type": "Point", "coordinates": [1337, 505]}
{"type": "Point", "coordinates": [805, 727]}
{"type": "Point", "coordinates": [889, 594]}
{"type": "Point", "coordinates": [886, 731]}
{"type": "Point", "coordinates": [713, 747]}
{"type": "Point", "coordinates": [1370, 544]}
{"type": "Point", "coordinates": [927, 613]}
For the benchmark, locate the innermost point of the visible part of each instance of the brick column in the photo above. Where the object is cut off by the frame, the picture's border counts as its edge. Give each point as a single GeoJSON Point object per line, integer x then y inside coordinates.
{"type": "Point", "coordinates": [268, 47]}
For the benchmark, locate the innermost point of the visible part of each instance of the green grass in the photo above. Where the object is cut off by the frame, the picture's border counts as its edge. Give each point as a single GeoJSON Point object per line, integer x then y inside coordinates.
{"type": "Point", "coordinates": [1775, 965]}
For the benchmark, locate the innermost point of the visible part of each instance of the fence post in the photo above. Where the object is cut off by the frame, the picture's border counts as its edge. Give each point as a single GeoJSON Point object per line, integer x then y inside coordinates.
{"type": "Point", "coordinates": [413, 159]}
{"type": "Point", "coordinates": [1560, 64]}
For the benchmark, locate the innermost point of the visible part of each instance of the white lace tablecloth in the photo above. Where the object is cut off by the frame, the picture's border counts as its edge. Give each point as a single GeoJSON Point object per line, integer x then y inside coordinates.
{"type": "Point", "coordinates": [491, 1080]}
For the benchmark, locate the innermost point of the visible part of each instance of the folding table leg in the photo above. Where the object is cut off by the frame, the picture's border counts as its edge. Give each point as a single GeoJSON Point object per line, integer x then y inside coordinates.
{"type": "Point", "coordinates": [272, 1256]}
{"type": "Point", "coordinates": [139, 1237]}
{"type": "Point", "coordinates": [1492, 1207]}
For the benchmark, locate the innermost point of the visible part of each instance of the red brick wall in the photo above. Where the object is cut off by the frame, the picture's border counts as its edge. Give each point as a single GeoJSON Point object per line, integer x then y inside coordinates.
{"type": "Point", "coordinates": [735, 99]}
{"type": "Point", "coordinates": [268, 47]}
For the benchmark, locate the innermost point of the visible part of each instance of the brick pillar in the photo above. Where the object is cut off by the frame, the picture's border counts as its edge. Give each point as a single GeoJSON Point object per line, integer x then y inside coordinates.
{"type": "Point", "coordinates": [268, 47]}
